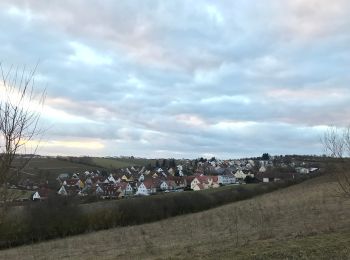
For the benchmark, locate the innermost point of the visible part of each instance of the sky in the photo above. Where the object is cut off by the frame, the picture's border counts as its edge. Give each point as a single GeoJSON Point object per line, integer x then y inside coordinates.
{"type": "Point", "coordinates": [183, 79]}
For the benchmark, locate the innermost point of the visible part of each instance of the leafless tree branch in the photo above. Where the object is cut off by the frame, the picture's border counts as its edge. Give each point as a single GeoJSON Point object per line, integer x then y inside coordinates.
{"type": "Point", "coordinates": [19, 118]}
{"type": "Point", "coordinates": [336, 143]}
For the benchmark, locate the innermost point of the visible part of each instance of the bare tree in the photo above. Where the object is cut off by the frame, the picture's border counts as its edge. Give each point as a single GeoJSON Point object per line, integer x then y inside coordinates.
{"type": "Point", "coordinates": [20, 110]}
{"type": "Point", "coordinates": [336, 143]}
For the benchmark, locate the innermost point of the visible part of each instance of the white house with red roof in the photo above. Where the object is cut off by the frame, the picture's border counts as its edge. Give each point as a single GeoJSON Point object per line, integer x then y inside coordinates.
{"type": "Point", "coordinates": [204, 182]}
{"type": "Point", "coordinates": [125, 189]}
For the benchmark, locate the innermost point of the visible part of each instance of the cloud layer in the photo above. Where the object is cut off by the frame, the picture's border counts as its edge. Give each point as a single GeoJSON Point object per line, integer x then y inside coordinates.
{"type": "Point", "coordinates": [177, 79]}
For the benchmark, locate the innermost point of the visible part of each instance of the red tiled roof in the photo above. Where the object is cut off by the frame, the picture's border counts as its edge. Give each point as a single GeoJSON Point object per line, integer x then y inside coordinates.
{"type": "Point", "coordinates": [72, 182]}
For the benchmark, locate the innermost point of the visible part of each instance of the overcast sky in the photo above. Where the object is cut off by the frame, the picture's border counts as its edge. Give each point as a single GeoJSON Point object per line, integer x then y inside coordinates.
{"type": "Point", "coordinates": [184, 79]}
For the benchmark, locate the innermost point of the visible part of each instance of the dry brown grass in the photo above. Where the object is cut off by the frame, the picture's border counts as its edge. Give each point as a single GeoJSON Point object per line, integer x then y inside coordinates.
{"type": "Point", "coordinates": [312, 208]}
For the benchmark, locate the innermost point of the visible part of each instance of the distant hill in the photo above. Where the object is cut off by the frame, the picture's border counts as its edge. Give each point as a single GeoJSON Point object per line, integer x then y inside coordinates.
{"type": "Point", "coordinates": [41, 169]}
{"type": "Point", "coordinates": [117, 163]}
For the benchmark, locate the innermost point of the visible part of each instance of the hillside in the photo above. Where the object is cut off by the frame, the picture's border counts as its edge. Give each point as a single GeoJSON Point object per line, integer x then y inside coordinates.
{"type": "Point", "coordinates": [42, 169]}
{"type": "Point", "coordinates": [308, 220]}
{"type": "Point", "coordinates": [116, 163]}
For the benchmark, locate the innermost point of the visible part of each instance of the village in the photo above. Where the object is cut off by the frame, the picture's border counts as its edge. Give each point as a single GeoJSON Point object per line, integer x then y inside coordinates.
{"type": "Point", "coordinates": [189, 176]}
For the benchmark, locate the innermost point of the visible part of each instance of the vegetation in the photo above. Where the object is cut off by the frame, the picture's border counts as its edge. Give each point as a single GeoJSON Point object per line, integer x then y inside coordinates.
{"type": "Point", "coordinates": [42, 170]}
{"type": "Point", "coordinates": [19, 117]}
{"type": "Point", "coordinates": [336, 143]}
{"type": "Point", "coordinates": [117, 163]}
{"type": "Point", "coordinates": [110, 162]}
{"type": "Point", "coordinates": [60, 217]}
{"type": "Point", "coordinates": [304, 221]}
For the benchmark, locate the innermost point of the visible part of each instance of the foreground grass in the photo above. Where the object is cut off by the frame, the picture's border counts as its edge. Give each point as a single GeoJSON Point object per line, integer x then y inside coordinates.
{"type": "Point", "coordinates": [335, 245]}
{"type": "Point", "coordinates": [305, 221]}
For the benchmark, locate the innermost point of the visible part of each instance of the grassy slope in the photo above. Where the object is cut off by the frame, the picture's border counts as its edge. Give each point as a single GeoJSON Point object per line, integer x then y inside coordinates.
{"type": "Point", "coordinates": [55, 166]}
{"type": "Point", "coordinates": [117, 163]}
{"type": "Point", "coordinates": [304, 221]}
{"type": "Point", "coordinates": [40, 169]}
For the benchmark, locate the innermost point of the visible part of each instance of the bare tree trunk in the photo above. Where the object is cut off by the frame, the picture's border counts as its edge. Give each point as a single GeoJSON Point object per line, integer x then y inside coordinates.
{"type": "Point", "coordinates": [20, 110]}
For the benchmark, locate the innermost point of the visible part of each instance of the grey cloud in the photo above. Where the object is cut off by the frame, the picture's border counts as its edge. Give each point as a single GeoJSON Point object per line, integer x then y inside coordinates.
{"type": "Point", "coordinates": [280, 64]}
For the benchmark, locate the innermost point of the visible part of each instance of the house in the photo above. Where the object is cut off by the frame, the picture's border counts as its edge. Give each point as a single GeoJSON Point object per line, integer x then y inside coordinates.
{"type": "Point", "coordinates": [180, 182]}
{"type": "Point", "coordinates": [164, 186]}
{"type": "Point", "coordinates": [124, 178]}
{"type": "Point", "coordinates": [213, 181]}
{"type": "Point", "coordinates": [262, 169]}
{"type": "Point", "coordinates": [141, 178]}
{"type": "Point", "coordinates": [188, 180]}
{"type": "Point", "coordinates": [125, 189]}
{"type": "Point", "coordinates": [226, 179]}
{"type": "Point", "coordinates": [198, 187]}
{"type": "Point", "coordinates": [240, 175]}
{"type": "Point", "coordinates": [99, 190]}
{"type": "Point", "coordinates": [302, 170]}
{"type": "Point", "coordinates": [97, 179]}
{"type": "Point", "coordinates": [180, 170]}
{"type": "Point", "coordinates": [111, 191]}
{"type": "Point", "coordinates": [62, 191]}
{"type": "Point", "coordinates": [206, 181]}
{"type": "Point", "coordinates": [171, 185]}
{"type": "Point", "coordinates": [152, 185]}
{"type": "Point", "coordinates": [196, 181]}
{"type": "Point", "coordinates": [36, 196]}
{"type": "Point", "coordinates": [167, 185]}
{"type": "Point", "coordinates": [70, 182]}
{"type": "Point", "coordinates": [274, 176]}
{"type": "Point", "coordinates": [80, 184]}
{"type": "Point", "coordinates": [88, 182]}
{"type": "Point", "coordinates": [111, 179]}
{"type": "Point", "coordinates": [142, 190]}
{"type": "Point", "coordinates": [171, 171]}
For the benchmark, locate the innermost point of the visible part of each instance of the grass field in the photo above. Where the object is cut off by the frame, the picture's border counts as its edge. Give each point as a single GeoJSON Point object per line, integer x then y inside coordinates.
{"type": "Point", "coordinates": [14, 194]}
{"type": "Point", "coordinates": [42, 169]}
{"type": "Point", "coordinates": [116, 163]}
{"type": "Point", "coordinates": [305, 221]}
{"type": "Point", "coordinates": [55, 166]}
